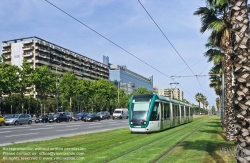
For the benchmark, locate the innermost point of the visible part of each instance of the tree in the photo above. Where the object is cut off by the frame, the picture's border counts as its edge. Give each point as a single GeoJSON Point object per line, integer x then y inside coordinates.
{"type": "Point", "coordinates": [215, 17]}
{"type": "Point", "coordinates": [24, 80]}
{"type": "Point", "coordinates": [142, 90]}
{"type": "Point", "coordinates": [44, 81]}
{"type": "Point", "coordinates": [8, 80]}
{"type": "Point", "coordinates": [203, 100]}
{"type": "Point", "coordinates": [67, 86]}
{"type": "Point", "coordinates": [213, 110]}
{"type": "Point", "coordinates": [240, 32]}
{"type": "Point", "coordinates": [198, 98]}
{"type": "Point", "coordinates": [103, 92]}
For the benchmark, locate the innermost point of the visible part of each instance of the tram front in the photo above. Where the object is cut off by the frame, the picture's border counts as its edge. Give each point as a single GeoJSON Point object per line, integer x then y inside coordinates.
{"type": "Point", "coordinates": [140, 111]}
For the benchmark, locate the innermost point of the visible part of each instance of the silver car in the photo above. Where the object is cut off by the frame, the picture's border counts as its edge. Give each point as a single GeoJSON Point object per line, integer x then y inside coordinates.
{"type": "Point", "coordinates": [16, 119]}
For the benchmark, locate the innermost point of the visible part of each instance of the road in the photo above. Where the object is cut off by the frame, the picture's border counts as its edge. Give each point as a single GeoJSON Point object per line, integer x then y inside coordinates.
{"type": "Point", "coordinates": [43, 131]}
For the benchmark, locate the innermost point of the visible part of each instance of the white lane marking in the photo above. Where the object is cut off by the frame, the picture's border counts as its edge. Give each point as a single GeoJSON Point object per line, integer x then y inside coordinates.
{"type": "Point", "coordinates": [23, 134]}
{"type": "Point", "coordinates": [41, 128]}
{"type": "Point", "coordinates": [4, 131]}
{"type": "Point", "coordinates": [13, 128]}
{"type": "Point", "coordinates": [95, 123]}
{"type": "Point", "coordinates": [73, 126]}
{"type": "Point", "coordinates": [96, 126]}
{"type": "Point", "coordinates": [58, 124]}
{"type": "Point", "coordinates": [68, 129]}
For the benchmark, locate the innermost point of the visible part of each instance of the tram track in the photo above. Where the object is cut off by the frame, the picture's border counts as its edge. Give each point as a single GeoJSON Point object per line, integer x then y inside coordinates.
{"type": "Point", "coordinates": [157, 140]}
{"type": "Point", "coordinates": [177, 144]}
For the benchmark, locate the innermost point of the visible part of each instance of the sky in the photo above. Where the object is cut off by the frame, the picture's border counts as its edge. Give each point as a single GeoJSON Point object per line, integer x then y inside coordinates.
{"type": "Point", "coordinates": [127, 24]}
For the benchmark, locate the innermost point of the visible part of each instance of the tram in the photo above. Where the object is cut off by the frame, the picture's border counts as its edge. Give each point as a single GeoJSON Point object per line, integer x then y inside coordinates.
{"type": "Point", "coordinates": [152, 113]}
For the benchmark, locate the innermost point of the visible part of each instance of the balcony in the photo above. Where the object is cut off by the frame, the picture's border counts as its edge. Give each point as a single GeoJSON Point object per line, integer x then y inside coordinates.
{"type": "Point", "coordinates": [5, 45]}
{"type": "Point", "coordinates": [6, 50]}
{"type": "Point", "coordinates": [28, 47]}
{"type": "Point", "coordinates": [27, 41]}
{"type": "Point", "coordinates": [27, 54]}
{"type": "Point", "coordinates": [7, 57]}
{"type": "Point", "coordinates": [41, 61]}
{"type": "Point", "coordinates": [30, 60]}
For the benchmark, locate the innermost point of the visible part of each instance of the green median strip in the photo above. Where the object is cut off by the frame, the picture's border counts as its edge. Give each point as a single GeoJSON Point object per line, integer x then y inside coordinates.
{"type": "Point", "coordinates": [121, 146]}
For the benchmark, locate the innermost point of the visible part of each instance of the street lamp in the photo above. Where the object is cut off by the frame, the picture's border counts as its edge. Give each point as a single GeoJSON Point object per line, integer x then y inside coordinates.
{"type": "Point", "coordinates": [118, 85]}
{"type": "Point", "coordinates": [56, 91]}
{"type": "Point", "coordinates": [172, 90]}
{"type": "Point", "coordinates": [1, 105]}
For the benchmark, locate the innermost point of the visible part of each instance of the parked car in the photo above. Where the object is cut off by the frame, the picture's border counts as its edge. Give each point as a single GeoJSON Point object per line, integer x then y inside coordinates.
{"type": "Point", "coordinates": [104, 114]}
{"type": "Point", "coordinates": [80, 116]}
{"type": "Point", "coordinates": [51, 118]}
{"type": "Point", "coordinates": [70, 115]}
{"type": "Point", "coordinates": [2, 120]}
{"type": "Point", "coordinates": [42, 118]}
{"type": "Point", "coordinates": [16, 119]}
{"type": "Point", "coordinates": [7, 115]}
{"type": "Point", "coordinates": [60, 117]}
{"type": "Point", "coordinates": [91, 117]}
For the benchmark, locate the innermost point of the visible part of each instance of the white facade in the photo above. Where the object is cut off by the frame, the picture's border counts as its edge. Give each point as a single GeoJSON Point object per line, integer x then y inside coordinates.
{"type": "Point", "coordinates": [175, 93]}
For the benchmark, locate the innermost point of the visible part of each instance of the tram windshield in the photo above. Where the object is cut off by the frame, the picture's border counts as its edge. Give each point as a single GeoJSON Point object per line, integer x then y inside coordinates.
{"type": "Point", "coordinates": [140, 111]}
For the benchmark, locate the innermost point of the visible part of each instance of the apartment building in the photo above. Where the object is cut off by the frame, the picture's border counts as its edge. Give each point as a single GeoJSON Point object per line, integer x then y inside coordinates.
{"type": "Point", "coordinates": [168, 92]}
{"type": "Point", "coordinates": [39, 52]}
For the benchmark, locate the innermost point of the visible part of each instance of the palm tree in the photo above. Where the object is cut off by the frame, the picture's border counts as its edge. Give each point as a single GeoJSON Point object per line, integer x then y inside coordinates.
{"type": "Point", "coordinates": [215, 18]}
{"type": "Point", "coordinates": [198, 98]}
{"type": "Point", "coordinates": [240, 33]}
{"type": "Point", "coordinates": [203, 101]}
{"type": "Point", "coordinates": [216, 83]}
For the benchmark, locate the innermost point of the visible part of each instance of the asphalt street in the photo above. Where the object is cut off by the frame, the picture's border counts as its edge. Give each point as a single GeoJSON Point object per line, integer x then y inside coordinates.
{"type": "Point", "coordinates": [43, 131]}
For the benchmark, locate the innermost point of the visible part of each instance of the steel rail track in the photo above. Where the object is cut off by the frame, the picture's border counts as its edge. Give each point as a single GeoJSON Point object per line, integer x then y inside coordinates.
{"type": "Point", "coordinates": [177, 144]}
{"type": "Point", "coordinates": [151, 142]}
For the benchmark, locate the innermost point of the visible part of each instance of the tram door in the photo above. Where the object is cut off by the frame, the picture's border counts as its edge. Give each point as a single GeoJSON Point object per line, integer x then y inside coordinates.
{"type": "Point", "coordinates": [161, 107]}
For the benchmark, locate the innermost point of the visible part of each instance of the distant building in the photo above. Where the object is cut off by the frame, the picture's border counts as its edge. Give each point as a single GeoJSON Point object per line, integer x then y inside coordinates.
{"type": "Point", "coordinates": [156, 90]}
{"type": "Point", "coordinates": [126, 79]}
{"type": "Point", "coordinates": [39, 52]}
{"type": "Point", "coordinates": [175, 93]}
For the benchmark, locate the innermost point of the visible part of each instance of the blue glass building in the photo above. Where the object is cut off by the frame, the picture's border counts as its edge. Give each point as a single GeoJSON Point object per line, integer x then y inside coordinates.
{"type": "Point", "coordinates": [126, 79]}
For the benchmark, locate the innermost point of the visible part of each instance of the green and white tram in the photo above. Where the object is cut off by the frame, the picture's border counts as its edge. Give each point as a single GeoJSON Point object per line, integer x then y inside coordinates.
{"type": "Point", "coordinates": [151, 113]}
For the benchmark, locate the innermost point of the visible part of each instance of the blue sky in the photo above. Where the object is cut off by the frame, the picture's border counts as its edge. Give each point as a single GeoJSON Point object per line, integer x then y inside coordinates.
{"type": "Point", "coordinates": [127, 24]}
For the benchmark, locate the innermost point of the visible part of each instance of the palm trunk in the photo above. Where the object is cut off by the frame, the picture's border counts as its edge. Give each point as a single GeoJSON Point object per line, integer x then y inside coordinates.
{"type": "Point", "coordinates": [240, 31]}
{"type": "Point", "coordinates": [230, 128]}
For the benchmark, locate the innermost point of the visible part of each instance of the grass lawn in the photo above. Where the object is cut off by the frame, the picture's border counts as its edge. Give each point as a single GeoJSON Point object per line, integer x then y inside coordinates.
{"type": "Point", "coordinates": [206, 145]}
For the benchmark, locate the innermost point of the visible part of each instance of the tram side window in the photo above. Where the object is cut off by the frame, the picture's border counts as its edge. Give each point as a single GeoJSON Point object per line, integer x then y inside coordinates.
{"type": "Point", "coordinates": [187, 110]}
{"type": "Point", "coordinates": [155, 112]}
{"type": "Point", "coordinates": [177, 110]}
{"type": "Point", "coordinates": [166, 110]}
{"type": "Point", "coordinates": [174, 112]}
{"type": "Point", "coordinates": [182, 110]}
{"type": "Point", "coordinates": [191, 111]}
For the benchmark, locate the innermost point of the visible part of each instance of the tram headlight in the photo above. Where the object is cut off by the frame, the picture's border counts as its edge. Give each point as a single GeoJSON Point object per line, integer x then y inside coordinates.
{"type": "Point", "coordinates": [144, 122]}
{"type": "Point", "coordinates": [131, 122]}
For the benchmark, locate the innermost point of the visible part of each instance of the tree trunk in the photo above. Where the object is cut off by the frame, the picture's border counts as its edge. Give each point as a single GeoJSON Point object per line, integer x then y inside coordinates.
{"type": "Point", "coordinates": [240, 31]}
{"type": "Point", "coordinates": [229, 110]}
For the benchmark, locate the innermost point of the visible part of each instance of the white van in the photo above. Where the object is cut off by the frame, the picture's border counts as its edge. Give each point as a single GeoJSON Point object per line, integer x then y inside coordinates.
{"type": "Point", "coordinates": [120, 113]}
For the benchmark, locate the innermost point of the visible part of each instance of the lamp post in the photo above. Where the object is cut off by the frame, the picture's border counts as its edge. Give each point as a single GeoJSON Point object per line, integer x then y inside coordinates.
{"type": "Point", "coordinates": [118, 85]}
{"type": "Point", "coordinates": [1, 105]}
{"type": "Point", "coordinates": [56, 91]}
{"type": "Point", "coordinates": [172, 90]}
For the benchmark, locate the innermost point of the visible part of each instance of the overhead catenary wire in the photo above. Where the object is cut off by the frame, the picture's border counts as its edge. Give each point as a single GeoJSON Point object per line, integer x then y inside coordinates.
{"type": "Point", "coordinates": [112, 42]}
{"type": "Point", "coordinates": [170, 44]}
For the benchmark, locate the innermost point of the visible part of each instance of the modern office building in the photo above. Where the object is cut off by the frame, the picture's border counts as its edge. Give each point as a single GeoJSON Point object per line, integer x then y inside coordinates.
{"type": "Point", "coordinates": [175, 93]}
{"type": "Point", "coordinates": [126, 79]}
{"type": "Point", "coordinates": [39, 52]}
